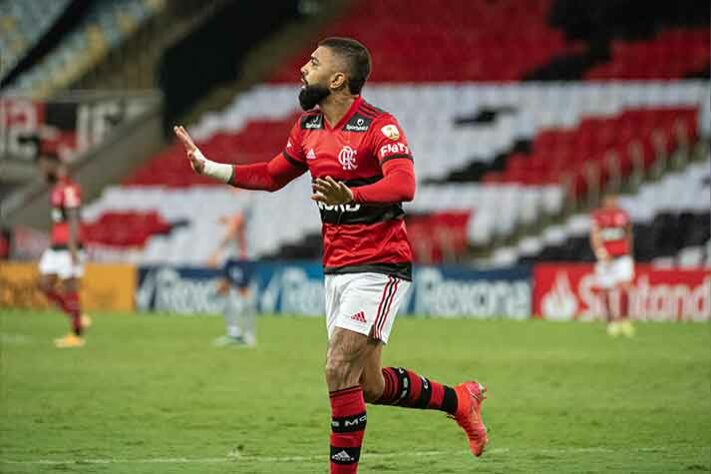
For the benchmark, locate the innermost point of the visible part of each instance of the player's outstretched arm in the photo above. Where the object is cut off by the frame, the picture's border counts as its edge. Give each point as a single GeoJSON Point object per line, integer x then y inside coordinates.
{"type": "Point", "coordinates": [198, 162]}
{"type": "Point", "coordinates": [269, 176]}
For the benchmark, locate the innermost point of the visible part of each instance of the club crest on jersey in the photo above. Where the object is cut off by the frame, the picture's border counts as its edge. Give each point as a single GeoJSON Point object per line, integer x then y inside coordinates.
{"type": "Point", "coordinates": [347, 158]}
{"type": "Point", "coordinates": [391, 132]}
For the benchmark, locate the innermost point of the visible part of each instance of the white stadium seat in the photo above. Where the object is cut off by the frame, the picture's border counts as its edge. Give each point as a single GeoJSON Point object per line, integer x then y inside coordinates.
{"type": "Point", "coordinates": [427, 113]}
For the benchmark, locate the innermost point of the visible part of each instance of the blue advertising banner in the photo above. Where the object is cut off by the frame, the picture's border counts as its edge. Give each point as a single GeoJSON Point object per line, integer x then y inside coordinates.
{"type": "Point", "coordinates": [462, 292]}
{"type": "Point", "coordinates": [289, 288]}
{"type": "Point", "coordinates": [178, 290]}
{"type": "Point", "coordinates": [296, 288]}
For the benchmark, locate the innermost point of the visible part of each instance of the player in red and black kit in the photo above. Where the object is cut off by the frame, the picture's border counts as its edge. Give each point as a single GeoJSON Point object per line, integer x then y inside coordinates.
{"type": "Point", "coordinates": [611, 240]}
{"type": "Point", "coordinates": [362, 170]}
{"type": "Point", "coordinates": [62, 265]}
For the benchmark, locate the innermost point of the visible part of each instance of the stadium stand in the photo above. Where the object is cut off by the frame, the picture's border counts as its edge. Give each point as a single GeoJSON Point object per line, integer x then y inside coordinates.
{"type": "Point", "coordinates": [664, 39]}
{"type": "Point", "coordinates": [22, 24]}
{"type": "Point", "coordinates": [454, 51]}
{"type": "Point", "coordinates": [106, 24]}
{"type": "Point", "coordinates": [672, 54]}
{"type": "Point", "coordinates": [488, 210]}
{"type": "Point", "coordinates": [543, 39]}
{"type": "Point", "coordinates": [671, 220]}
{"type": "Point", "coordinates": [495, 156]}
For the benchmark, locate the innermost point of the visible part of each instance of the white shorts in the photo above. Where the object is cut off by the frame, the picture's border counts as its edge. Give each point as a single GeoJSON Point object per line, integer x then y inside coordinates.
{"type": "Point", "coordinates": [613, 272]}
{"type": "Point", "coordinates": [59, 262]}
{"type": "Point", "coordinates": [364, 302]}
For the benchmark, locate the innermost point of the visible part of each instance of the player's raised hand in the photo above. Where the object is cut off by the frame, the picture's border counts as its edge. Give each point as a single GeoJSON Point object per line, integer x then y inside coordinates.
{"type": "Point", "coordinates": [193, 152]}
{"type": "Point", "coordinates": [331, 192]}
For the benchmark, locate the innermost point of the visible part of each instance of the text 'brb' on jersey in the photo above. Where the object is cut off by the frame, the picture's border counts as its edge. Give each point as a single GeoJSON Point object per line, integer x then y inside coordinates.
{"type": "Point", "coordinates": [356, 237]}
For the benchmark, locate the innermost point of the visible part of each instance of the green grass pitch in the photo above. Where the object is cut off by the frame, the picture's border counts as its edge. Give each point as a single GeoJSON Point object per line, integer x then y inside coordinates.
{"type": "Point", "coordinates": [149, 394]}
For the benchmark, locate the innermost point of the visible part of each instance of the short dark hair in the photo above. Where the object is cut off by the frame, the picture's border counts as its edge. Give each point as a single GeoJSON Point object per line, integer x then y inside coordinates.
{"type": "Point", "coordinates": [357, 57]}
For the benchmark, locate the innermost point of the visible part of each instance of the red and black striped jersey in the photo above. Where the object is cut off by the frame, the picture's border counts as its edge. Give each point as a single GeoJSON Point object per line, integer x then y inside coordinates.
{"type": "Point", "coordinates": [357, 237]}
{"type": "Point", "coordinates": [65, 195]}
{"type": "Point", "coordinates": [612, 225]}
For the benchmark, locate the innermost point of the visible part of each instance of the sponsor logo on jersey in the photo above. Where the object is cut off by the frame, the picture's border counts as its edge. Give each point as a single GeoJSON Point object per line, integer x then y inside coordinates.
{"type": "Point", "coordinates": [358, 123]}
{"type": "Point", "coordinates": [311, 122]}
{"type": "Point", "coordinates": [288, 143]}
{"type": "Point", "coordinates": [347, 158]}
{"type": "Point", "coordinates": [338, 207]}
{"type": "Point", "coordinates": [612, 233]}
{"type": "Point", "coordinates": [393, 149]}
{"type": "Point", "coordinates": [391, 132]}
{"type": "Point", "coordinates": [311, 155]}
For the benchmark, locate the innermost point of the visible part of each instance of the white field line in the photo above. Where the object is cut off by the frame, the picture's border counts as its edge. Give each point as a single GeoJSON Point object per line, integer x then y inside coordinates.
{"type": "Point", "coordinates": [236, 457]}
{"type": "Point", "coordinates": [14, 339]}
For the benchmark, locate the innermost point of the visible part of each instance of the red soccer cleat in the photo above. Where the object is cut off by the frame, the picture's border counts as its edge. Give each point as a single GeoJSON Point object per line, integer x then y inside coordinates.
{"type": "Point", "coordinates": [470, 396]}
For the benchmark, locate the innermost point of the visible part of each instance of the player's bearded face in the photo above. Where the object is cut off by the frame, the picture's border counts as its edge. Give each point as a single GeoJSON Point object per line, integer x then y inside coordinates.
{"type": "Point", "coordinates": [312, 94]}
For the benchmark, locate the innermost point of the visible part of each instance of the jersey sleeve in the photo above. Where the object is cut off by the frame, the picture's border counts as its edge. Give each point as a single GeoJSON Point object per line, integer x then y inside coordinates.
{"type": "Point", "coordinates": [269, 176]}
{"type": "Point", "coordinates": [389, 141]}
{"type": "Point", "coordinates": [71, 197]}
{"type": "Point", "coordinates": [293, 150]}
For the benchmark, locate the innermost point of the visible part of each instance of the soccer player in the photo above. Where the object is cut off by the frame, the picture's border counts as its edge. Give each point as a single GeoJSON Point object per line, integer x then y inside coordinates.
{"type": "Point", "coordinates": [362, 170]}
{"type": "Point", "coordinates": [238, 311]}
{"type": "Point", "coordinates": [62, 265]}
{"type": "Point", "coordinates": [611, 241]}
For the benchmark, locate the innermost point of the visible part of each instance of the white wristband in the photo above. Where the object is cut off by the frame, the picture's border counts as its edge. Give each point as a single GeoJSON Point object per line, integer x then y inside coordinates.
{"type": "Point", "coordinates": [219, 171]}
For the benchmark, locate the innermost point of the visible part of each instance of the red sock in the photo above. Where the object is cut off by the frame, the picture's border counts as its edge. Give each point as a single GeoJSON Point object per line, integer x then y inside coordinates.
{"type": "Point", "coordinates": [624, 304]}
{"type": "Point", "coordinates": [607, 301]}
{"type": "Point", "coordinates": [407, 389]}
{"type": "Point", "coordinates": [56, 298]}
{"type": "Point", "coordinates": [73, 310]}
{"type": "Point", "coordinates": [348, 419]}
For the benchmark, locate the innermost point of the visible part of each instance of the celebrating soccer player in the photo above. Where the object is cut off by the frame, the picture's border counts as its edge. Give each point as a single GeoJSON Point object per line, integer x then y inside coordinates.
{"type": "Point", "coordinates": [611, 240]}
{"type": "Point", "coordinates": [362, 171]}
{"type": "Point", "coordinates": [61, 266]}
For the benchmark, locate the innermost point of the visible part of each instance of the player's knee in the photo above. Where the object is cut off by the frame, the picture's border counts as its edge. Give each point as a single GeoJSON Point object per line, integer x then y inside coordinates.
{"type": "Point", "coordinates": [43, 285]}
{"type": "Point", "coordinates": [339, 371]}
{"type": "Point", "coordinates": [336, 370]}
{"type": "Point", "coordinates": [70, 285]}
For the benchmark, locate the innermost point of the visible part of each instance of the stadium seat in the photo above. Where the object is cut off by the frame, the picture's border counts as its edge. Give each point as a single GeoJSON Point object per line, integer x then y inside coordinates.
{"type": "Point", "coordinates": [671, 219]}
{"type": "Point", "coordinates": [106, 24]}
{"type": "Point", "coordinates": [22, 25]}
{"type": "Point", "coordinates": [526, 189]}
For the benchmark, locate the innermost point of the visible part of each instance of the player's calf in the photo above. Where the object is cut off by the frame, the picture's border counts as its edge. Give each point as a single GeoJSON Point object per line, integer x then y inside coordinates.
{"type": "Point", "coordinates": [402, 387]}
{"type": "Point", "coordinates": [405, 388]}
{"type": "Point", "coordinates": [346, 354]}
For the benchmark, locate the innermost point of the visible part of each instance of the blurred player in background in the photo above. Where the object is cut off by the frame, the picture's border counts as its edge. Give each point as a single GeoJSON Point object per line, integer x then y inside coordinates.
{"type": "Point", "coordinates": [362, 171]}
{"type": "Point", "coordinates": [238, 310]}
{"type": "Point", "coordinates": [62, 265]}
{"type": "Point", "coordinates": [611, 240]}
